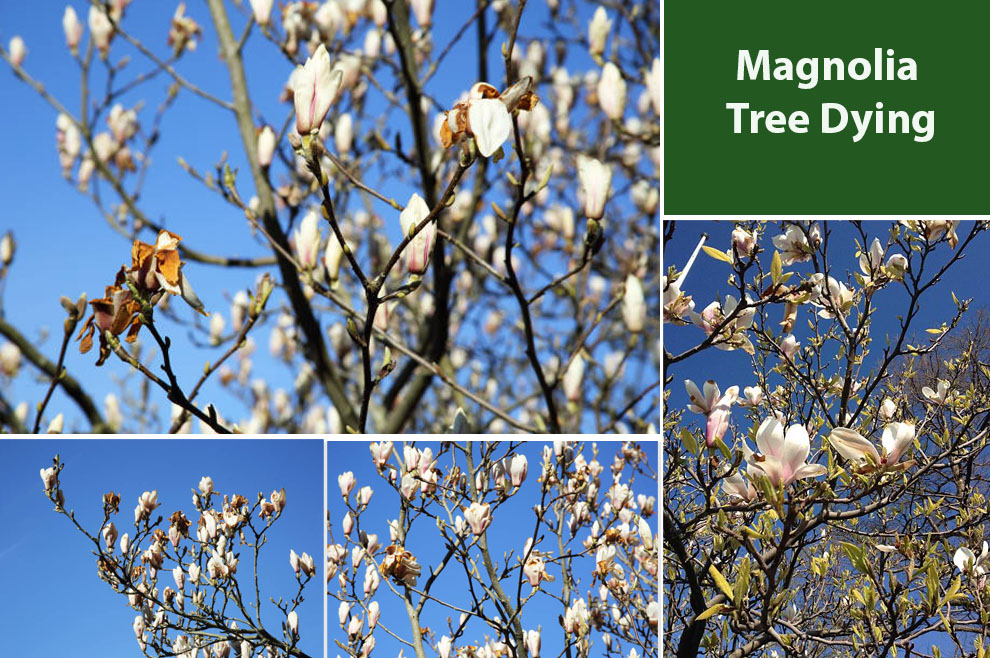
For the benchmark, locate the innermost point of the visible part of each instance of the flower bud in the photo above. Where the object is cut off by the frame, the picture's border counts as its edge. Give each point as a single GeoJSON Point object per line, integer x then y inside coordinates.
{"type": "Point", "coordinates": [306, 240]}
{"type": "Point", "coordinates": [292, 621]}
{"type": "Point", "coordinates": [612, 92]}
{"type": "Point", "coordinates": [574, 378]}
{"type": "Point", "coordinates": [633, 305]}
{"type": "Point", "coordinates": [7, 248]}
{"type": "Point", "coordinates": [10, 359]}
{"type": "Point", "coordinates": [262, 10]}
{"type": "Point", "coordinates": [343, 133]}
{"type": "Point", "coordinates": [595, 179]}
{"type": "Point", "coordinates": [266, 146]}
{"type": "Point", "coordinates": [101, 29]}
{"type": "Point", "coordinates": [55, 427]}
{"type": "Point", "coordinates": [419, 248]}
{"type": "Point", "coordinates": [598, 30]}
{"type": "Point", "coordinates": [346, 482]}
{"type": "Point", "coordinates": [73, 29]}
{"type": "Point", "coordinates": [17, 50]}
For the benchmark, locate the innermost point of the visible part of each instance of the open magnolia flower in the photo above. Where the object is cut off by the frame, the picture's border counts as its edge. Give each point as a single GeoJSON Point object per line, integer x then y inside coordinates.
{"type": "Point", "coordinates": [738, 486]}
{"type": "Point", "coordinates": [940, 396]}
{"type": "Point", "coordinates": [717, 407]}
{"type": "Point", "coordinates": [782, 456]}
{"type": "Point", "coordinates": [733, 335]}
{"type": "Point", "coordinates": [155, 269]}
{"type": "Point", "coordinates": [486, 115]}
{"type": "Point", "coordinates": [897, 438]}
{"type": "Point", "coordinates": [968, 562]}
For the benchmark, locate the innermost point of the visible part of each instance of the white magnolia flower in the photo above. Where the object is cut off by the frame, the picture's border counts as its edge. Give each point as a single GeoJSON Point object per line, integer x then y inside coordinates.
{"type": "Point", "coordinates": [794, 246]}
{"type": "Point", "coordinates": [897, 438]}
{"type": "Point", "coordinates": [938, 397]}
{"type": "Point", "coordinates": [968, 562]}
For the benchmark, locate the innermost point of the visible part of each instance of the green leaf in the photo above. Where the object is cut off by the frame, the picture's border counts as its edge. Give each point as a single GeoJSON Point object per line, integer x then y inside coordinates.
{"type": "Point", "coordinates": [717, 255]}
{"type": "Point", "coordinates": [687, 438]}
{"type": "Point", "coordinates": [712, 611]}
{"type": "Point", "coordinates": [720, 580]}
{"type": "Point", "coordinates": [776, 267]}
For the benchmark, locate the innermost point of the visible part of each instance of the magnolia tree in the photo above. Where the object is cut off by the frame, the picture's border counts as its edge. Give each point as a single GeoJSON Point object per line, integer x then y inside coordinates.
{"type": "Point", "coordinates": [478, 551]}
{"type": "Point", "coordinates": [183, 583]}
{"type": "Point", "coordinates": [484, 238]}
{"type": "Point", "coordinates": [825, 488]}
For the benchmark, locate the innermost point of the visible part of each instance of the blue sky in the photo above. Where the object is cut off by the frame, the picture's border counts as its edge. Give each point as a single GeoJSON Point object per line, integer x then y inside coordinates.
{"type": "Point", "coordinates": [65, 246]}
{"type": "Point", "coordinates": [512, 524]}
{"type": "Point", "coordinates": [53, 599]}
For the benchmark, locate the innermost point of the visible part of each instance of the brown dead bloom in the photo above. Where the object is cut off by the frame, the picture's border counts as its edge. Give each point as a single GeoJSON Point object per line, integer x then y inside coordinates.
{"type": "Point", "coordinates": [400, 565]}
{"type": "Point", "coordinates": [155, 269]}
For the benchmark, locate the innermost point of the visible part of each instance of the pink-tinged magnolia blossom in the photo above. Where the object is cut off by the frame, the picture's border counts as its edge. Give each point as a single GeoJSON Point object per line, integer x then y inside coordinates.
{"type": "Point", "coordinates": [194, 573]}
{"type": "Point", "coordinates": [346, 481]}
{"type": "Point", "coordinates": [887, 409]}
{"type": "Point", "coordinates": [348, 523]}
{"type": "Point", "coordinates": [533, 643]}
{"type": "Point", "coordinates": [897, 438]}
{"type": "Point", "coordinates": [596, 179]}
{"type": "Point", "coordinates": [598, 30]}
{"type": "Point", "coordinates": [490, 124]}
{"type": "Point", "coordinates": [576, 618]}
{"type": "Point", "coordinates": [343, 610]}
{"type": "Point", "coordinates": [612, 92]}
{"type": "Point", "coordinates": [535, 570]}
{"type": "Point", "coordinates": [418, 250]}
{"type": "Point", "coordinates": [18, 51]}
{"type": "Point", "coordinates": [479, 517]}
{"type": "Point", "coordinates": [262, 10]}
{"type": "Point", "coordinates": [794, 246]}
{"type": "Point", "coordinates": [146, 505]}
{"type": "Point", "coordinates": [332, 257]}
{"type": "Point", "coordinates": [125, 543]}
{"type": "Point", "coordinates": [373, 614]}
{"type": "Point", "coordinates": [782, 456]}
{"type": "Point", "coordinates": [380, 453]}
{"type": "Point", "coordinates": [294, 562]}
{"type": "Point", "coordinates": [110, 536]}
{"type": "Point", "coordinates": [73, 29]}
{"type": "Point", "coordinates": [266, 146]}
{"type": "Point", "coordinates": [49, 477]}
{"type": "Point", "coordinates": [364, 495]}
{"type": "Point", "coordinates": [409, 486]}
{"type": "Point", "coordinates": [138, 626]}
{"type": "Point", "coordinates": [371, 580]}
{"type": "Point", "coordinates": [368, 646]}
{"type": "Point", "coordinates": [633, 305]}
{"type": "Point", "coordinates": [101, 29]}
{"type": "Point", "coordinates": [518, 467]}
{"type": "Point", "coordinates": [314, 91]}
{"type": "Point", "coordinates": [292, 622]}
{"type": "Point", "coordinates": [180, 577]}
{"type": "Point", "coordinates": [743, 241]}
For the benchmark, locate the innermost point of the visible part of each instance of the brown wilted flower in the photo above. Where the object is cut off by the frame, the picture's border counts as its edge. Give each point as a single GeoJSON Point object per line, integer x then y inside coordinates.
{"type": "Point", "coordinates": [155, 269]}
{"type": "Point", "coordinates": [111, 502]}
{"type": "Point", "coordinates": [181, 523]}
{"type": "Point", "coordinates": [400, 565]}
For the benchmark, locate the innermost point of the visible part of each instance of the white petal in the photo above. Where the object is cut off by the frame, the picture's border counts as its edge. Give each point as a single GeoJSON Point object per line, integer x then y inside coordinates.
{"type": "Point", "coordinates": [852, 445]}
{"type": "Point", "coordinates": [490, 124]}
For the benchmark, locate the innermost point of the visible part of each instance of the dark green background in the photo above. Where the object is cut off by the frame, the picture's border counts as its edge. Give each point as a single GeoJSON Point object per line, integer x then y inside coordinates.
{"type": "Point", "coordinates": [711, 170]}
